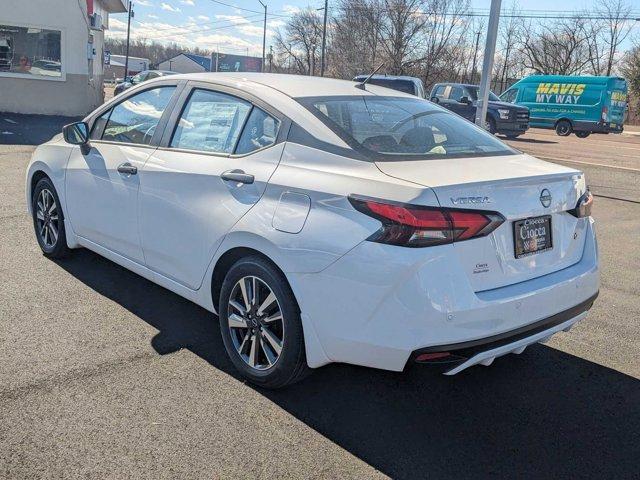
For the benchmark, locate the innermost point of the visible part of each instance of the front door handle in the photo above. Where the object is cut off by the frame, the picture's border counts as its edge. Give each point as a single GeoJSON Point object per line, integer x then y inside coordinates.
{"type": "Point", "coordinates": [237, 176]}
{"type": "Point", "coordinates": [127, 169]}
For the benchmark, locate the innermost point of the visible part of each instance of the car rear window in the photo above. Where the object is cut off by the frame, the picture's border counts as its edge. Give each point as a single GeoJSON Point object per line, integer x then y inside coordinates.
{"type": "Point", "coordinates": [399, 128]}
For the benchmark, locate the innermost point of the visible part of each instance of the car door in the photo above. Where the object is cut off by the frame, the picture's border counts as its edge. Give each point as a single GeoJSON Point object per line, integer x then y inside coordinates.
{"type": "Point", "coordinates": [102, 186]}
{"type": "Point", "coordinates": [464, 109]}
{"type": "Point", "coordinates": [213, 165]}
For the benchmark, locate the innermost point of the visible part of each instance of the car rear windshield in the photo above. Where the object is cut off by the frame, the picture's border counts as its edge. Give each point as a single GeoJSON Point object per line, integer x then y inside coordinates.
{"type": "Point", "coordinates": [400, 128]}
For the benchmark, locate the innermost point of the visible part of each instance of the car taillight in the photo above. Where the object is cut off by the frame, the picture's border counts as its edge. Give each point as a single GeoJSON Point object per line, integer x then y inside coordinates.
{"type": "Point", "coordinates": [419, 226]}
{"type": "Point", "coordinates": [583, 207]}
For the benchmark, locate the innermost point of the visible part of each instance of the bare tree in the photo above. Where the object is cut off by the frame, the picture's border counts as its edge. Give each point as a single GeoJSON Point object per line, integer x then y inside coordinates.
{"type": "Point", "coordinates": [301, 41]}
{"type": "Point", "coordinates": [355, 37]}
{"type": "Point", "coordinates": [614, 30]}
{"type": "Point", "coordinates": [560, 47]}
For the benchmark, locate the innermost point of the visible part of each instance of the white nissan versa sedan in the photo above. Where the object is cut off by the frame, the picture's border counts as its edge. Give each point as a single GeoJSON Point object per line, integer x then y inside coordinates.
{"type": "Point", "coordinates": [323, 220]}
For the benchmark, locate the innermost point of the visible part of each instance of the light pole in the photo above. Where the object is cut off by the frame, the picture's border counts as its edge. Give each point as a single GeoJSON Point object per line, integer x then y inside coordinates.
{"type": "Point", "coordinates": [487, 62]}
{"type": "Point", "coordinates": [264, 33]}
{"type": "Point", "coordinates": [126, 58]}
{"type": "Point", "coordinates": [324, 37]}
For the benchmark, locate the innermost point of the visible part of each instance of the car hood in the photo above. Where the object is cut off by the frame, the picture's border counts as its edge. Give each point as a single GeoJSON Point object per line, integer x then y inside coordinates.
{"type": "Point", "coordinates": [508, 105]}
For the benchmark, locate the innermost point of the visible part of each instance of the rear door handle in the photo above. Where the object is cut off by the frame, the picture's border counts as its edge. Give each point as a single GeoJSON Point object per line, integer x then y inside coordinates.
{"type": "Point", "coordinates": [127, 169]}
{"type": "Point", "coordinates": [237, 176]}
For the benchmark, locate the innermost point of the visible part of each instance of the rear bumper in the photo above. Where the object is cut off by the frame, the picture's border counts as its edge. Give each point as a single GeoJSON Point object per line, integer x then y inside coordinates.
{"type": "Point", "coordinates": [378, 304]}
{"type": "Point", "coordinates": [484, 351]}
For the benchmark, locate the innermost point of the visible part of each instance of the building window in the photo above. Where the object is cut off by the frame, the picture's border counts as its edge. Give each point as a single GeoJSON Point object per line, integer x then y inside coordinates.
{"type": "Point", "coordinates": [30, 51]}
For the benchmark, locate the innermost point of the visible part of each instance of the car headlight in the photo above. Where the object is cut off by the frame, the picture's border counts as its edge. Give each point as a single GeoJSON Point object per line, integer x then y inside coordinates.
{"type": "Point", "coordinates": [504, 114]}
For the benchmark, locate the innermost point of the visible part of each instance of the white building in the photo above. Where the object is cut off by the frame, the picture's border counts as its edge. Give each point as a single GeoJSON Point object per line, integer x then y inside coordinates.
{"type": "Point", "coordinates": [52, 54]}
{"type": "Point", "coordinates": [217, 62]}
{"type": "Point", "coordinates": [186, 63]}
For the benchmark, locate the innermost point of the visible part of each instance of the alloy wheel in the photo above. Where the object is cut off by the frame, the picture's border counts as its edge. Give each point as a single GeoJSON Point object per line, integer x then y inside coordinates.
{"type": "Point", "coordinates": [255, 323]}
{"type": "Point", "coordinates": [47, 218]}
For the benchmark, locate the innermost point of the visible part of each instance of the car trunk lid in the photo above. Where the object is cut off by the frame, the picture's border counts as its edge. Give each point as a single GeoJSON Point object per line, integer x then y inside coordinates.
{"type": "Point", "coordinates": [511, 185]}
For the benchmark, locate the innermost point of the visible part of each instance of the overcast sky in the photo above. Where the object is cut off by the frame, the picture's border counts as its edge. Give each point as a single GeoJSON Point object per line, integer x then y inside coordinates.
{"type": "Point", "coordinates": [237, 28]}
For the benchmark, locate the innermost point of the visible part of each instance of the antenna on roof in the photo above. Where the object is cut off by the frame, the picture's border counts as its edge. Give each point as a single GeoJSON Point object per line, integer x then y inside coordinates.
{"type": "Point", "coordinates": [363, 84]}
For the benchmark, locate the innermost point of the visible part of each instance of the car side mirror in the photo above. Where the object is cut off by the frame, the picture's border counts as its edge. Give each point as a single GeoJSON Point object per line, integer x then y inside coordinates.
{"type": "Point", "coordinates": [464, 99]}
{"type": "Point", "coordinates": [435, 99]}
{"type": "Point", "coordinates": [77, 134]}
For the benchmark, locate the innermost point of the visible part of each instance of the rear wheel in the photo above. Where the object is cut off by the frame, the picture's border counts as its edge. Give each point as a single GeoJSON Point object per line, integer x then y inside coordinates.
{"type": "Point", "coordinates": [48, 220]}
{"type": "Point", "coordinates": [563, 128]}
{"type": "Point", "coordinates": [260, 324]}
{"type": "Point", "coordinates": [582, 134]}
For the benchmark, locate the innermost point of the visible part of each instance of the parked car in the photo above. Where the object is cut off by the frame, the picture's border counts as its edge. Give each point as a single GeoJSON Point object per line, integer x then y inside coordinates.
{"type": "Point", "coordinates": [503, 118]}
{"type": "Point", "coordinates": [411, 85]}
{"type": "Point", "coordinates": [139, 78]}
{"type": "Point", "coordinates": [582, 105]}
{"type": "Point", "coordinates": [323, 222]}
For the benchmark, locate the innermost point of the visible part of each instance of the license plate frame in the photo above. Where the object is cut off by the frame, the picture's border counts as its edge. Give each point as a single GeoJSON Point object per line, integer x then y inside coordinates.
{"type": "Point", "coordinates": [543, 243]}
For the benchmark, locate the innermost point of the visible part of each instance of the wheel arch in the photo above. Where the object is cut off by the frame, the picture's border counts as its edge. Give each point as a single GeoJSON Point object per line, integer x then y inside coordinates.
{"type": "Point", "coordinates": [563, 119]}
{"type": "Point", "coordinates": [241, 246]}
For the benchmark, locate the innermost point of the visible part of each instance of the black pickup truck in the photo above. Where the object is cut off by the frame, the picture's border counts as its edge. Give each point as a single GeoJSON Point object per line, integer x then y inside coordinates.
{"type": "Point", "coordinates": [503, 118]}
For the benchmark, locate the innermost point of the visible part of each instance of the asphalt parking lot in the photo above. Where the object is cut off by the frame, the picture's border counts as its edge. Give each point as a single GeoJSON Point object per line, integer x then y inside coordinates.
{"type": "Point", "coordinates": [106, 375]}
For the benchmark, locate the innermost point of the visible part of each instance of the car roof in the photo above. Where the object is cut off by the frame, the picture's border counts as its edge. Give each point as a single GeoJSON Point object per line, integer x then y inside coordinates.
{"type": "Point", "coordinates": [294, 86]}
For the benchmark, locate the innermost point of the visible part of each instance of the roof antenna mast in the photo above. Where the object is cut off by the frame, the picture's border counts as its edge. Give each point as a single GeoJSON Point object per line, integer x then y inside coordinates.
{"type": "Point", "coordinates": [363, 84]}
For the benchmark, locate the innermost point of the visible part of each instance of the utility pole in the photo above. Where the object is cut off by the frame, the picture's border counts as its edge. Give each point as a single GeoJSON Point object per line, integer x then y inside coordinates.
{"type": "Point", "coordinates": [475, 56]}
{"type": "Point", "coordinates": [126, 58]}
{"type": "Point", "coordinates": [324, 37]}
{"type": "Point", "coordinates": [270, 57]}
{"type": "Point", "coordinates": [264, 33]}
{"type": "Point", "coordinates": [487, 62]}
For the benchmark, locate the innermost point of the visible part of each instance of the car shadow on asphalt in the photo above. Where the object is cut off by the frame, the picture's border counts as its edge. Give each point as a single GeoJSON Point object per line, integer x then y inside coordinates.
{"type": "Point", "coordinates": [543, 414]}
{"type": "Point", "coordinates": [530, 140]}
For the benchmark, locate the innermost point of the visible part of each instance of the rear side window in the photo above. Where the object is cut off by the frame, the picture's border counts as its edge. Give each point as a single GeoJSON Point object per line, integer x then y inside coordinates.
{"type": "Point", "coordinates": [211, 122]}
{"type": "Point", "coordinates": [135, 120]}
{"type": "Point", "coordinates": [261, 130]}
{"type": "Point", "coordinates": [402, 128]}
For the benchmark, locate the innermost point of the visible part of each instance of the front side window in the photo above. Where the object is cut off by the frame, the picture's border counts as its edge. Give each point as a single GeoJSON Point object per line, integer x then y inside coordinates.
{"type": "Point", "coordinates": [474, 92]}
{"type": "Point", "coordinates": [456, 94]}
{"type": "Point", "coordinates": [261, 130]}
{"type": "Point", "coordinates": [211, 122]}
{"type": "Point", "coordinates": [30, 51]}
{"type": "Point", "coordinates": [509, 96]}
{"type": "Point", "coordinates": [135, 119]}
{"type": "Point", "coordinates": [398, 128]}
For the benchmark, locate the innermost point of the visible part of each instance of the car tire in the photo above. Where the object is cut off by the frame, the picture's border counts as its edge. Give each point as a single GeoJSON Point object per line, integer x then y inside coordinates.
{"type": "Point", "coordinates": [48, 220]}
{"type": "Point", "coordinates": [511, 136]}
{"type": "Point", "coordinates": [564, 128]}
{"type": "Point", "coordinates": [490, 125]}
{"type": "Point", "coordinates": [269, 353]}
{"type": "Point", "coordinates": [582, 134]}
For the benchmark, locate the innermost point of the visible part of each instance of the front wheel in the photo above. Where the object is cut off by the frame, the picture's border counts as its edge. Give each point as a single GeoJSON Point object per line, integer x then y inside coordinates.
{"type": "Point", "coordinates": [582, 134]}
{"type": "Point", "coordinates": [563, 128]}
{"type": "Point", "coordinates": [260, 324]}
{"type": "Point", "coordinates": [48, 220]}
{"type": "Point", "coordinates": [490, 125]}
